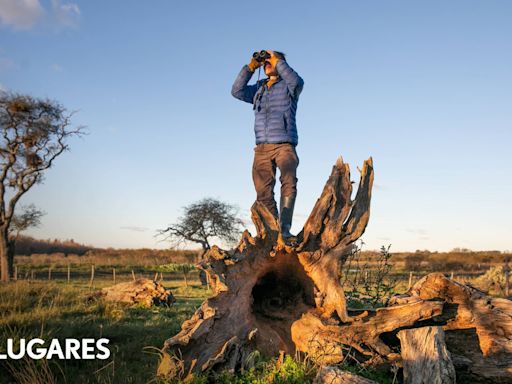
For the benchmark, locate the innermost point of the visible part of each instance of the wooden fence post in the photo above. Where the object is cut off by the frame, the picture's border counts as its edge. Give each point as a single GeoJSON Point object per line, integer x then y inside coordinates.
{"type": "Point", "coordinates": [49, 273]}
{"type": "Point", "coordinates": [69, 273]}
{"type": "Point", "coordinates": [410, 280]}
{"type": "Point", "coordinates": [114, 275]}
{"type": "Point", "coordinates": [15, 272]}
{"type": "Point", "coordinates": [92, 274]}
{"type": "Point", "coordinates": [31, 275]}
{"type": "Point", "coordinates": [506, 270]}
{"type": "Point", "coordinates": [133, 275]}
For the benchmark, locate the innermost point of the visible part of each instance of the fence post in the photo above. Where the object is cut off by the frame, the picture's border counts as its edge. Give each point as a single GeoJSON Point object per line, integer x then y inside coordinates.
{"type": "Point", "coordinates": [15, 272]}
{"type": "Point", "coordinates": [49, 273]}
{"type": "Point", "coordinates": [506, 270]}
{"type": "Point", "coordinates": [156, 276]}
{"type": "Point", "coordinates": [133, 275]}
{"type": "Point", "coordinates": [92, 274]}
{"type": "Point", "coordinates": [31, 275]}
{"type": "Point", "coordinates": [69, 273]}
{"type": "Point", "coordinates": [410, 280]}
{"type": "Point", "coordinates": [451, 276]}
{"type": "Point", "coordinates": [114, 275]}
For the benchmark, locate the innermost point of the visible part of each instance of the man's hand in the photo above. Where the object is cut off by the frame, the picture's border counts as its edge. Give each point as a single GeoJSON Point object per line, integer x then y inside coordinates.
{"type": "Point", "coordinates": [254, 64]}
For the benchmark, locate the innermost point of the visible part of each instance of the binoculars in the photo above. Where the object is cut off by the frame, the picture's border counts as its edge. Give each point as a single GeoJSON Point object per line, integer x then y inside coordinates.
{"type": "Point", "coordinates": [261, 56]}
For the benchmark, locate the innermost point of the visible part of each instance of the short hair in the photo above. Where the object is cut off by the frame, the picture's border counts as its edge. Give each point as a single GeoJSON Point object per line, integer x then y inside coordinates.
{"type": "Point", "coordinates": [280, 55]}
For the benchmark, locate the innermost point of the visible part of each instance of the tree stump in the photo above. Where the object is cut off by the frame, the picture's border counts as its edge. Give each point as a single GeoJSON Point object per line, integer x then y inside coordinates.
{"type": "Point", "coordinates": [424, 356]}
{"type": "Point", "coordinates": [264, 285]}
{"type": "Point", "coordinates": [273, 296]}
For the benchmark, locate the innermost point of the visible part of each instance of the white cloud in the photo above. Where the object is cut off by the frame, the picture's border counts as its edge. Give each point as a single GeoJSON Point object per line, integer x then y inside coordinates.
{"type": "Point", "coordinates": [21, 14]}
{"type": "Point", "coordinates": [67, 15]}
{"type": "Point", "coordinates": [26, 14]}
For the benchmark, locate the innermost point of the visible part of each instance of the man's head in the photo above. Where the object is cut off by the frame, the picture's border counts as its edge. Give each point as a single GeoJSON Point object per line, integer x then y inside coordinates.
{"type": "Point", "coordinates": [269, 65]}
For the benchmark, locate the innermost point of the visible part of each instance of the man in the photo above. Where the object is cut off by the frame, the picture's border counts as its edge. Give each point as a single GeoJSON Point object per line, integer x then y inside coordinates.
{"type": "Point", "coordinates": [275, 104]}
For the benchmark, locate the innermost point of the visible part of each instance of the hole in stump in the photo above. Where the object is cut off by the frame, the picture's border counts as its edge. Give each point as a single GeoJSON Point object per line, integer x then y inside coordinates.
{"type": "Point", "coordinates": [282, 293]}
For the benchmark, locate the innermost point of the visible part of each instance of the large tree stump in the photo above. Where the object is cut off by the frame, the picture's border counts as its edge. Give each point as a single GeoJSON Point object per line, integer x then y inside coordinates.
{"type": "Point", "coordinates": [264, 285]}
{"type": "Point", "coordinates": [272, 296]}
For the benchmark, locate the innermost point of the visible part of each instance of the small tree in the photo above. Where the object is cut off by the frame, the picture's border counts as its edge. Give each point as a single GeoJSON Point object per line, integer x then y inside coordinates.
{"type": "Point", "coordinates": [34, 133]}
{"type": "Point", "coordinates": [202, 222]}
{"type": "Point", "coordinates": [30, 217]}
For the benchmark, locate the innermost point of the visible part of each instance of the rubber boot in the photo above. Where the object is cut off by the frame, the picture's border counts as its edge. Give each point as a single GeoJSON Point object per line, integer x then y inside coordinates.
{"type": "Point", "coordinates": [286, 215]}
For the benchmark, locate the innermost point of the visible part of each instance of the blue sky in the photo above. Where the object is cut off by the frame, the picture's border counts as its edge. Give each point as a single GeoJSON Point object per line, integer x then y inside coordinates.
{"type": "Point", "coordinates": [425, 87]}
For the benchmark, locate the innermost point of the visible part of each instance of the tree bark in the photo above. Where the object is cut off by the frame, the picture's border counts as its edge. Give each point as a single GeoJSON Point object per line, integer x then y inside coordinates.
{"type": "Point", "coordinates": [425, 357]}
{"type": "Point", "coordinates": [11, 251]}
{"type": "Point", "coordinates": [478, 328]}
{"type": "Point", "coordinates": [334, 375]}
{"type": "Point", "coordinates": [4, 256]}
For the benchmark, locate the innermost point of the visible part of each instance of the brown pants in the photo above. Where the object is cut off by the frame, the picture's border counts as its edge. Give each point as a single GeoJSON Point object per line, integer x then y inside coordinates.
{"type": "Point", "coordinates": [266, 158]}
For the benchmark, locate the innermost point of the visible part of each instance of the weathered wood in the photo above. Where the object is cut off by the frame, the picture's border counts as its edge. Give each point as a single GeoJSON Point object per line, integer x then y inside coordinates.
{"type": "Point", "coordinates": [264, 285]}
{"type": "Point", "coordinates": [425, 358]}
{"type": "Point", "coordinates": [323, 341]}
{"type": "Point", "coordinates": [273, 296]}
{"type": "Point", "coordinates": [480, 330]}
{"type": "Point", "coordinates": [334, 375]}
{"type": "Point", "coordinates": [144, 292]}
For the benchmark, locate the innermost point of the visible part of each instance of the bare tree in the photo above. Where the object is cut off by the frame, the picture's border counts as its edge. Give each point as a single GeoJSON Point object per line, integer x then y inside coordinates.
{"type": "Point", "coordinates": [30, 217]}
{"type": "Point", "coordinates": [204, 221]}
{"type": "Point", "coordinates": [34, 133]}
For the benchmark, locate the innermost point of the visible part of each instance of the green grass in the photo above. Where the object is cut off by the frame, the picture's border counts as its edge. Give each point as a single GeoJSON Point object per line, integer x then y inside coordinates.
{"type": "Point", "coordinates": [288, 371]}
{"type": "Point", "coordinates": [60, 310]}
{"type": "Point", "coordinates": [56, 309]}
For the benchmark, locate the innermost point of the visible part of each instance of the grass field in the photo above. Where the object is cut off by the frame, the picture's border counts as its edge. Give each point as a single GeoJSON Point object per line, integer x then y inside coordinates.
{"type": "Point", "coordinates": [59, 309]}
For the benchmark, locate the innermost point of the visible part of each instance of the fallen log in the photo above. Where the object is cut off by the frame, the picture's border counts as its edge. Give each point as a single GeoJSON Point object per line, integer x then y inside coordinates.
{"type": "Point", "coordinates": [479, 331]}
{"type": "Point", "coordinates": [323, 341]}
{"type": "Point", "coordinates": [144, 292]}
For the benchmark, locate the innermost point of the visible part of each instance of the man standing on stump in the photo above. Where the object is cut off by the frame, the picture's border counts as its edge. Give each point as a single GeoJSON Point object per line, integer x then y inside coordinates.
{"type": "Point", "coordinates": [274, 102]}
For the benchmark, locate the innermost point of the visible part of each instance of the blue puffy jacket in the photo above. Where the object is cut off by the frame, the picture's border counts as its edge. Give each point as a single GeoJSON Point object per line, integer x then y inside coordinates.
{"type": "Point", "coordinates": [274, 108]}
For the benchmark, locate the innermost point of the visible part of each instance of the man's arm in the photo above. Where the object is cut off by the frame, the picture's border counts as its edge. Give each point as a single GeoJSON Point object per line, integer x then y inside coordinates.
{"type": "Point", "coordinates": [293, 81]}
{"type": "Point", "coordinates": [240, 89]}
